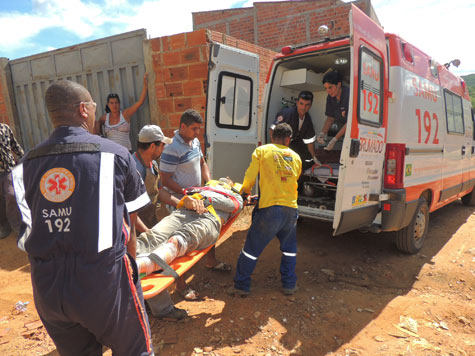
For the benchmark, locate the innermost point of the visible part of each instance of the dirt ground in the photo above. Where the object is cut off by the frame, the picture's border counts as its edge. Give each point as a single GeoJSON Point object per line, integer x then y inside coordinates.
{"type": "Point", "coordinates": [358, 296]}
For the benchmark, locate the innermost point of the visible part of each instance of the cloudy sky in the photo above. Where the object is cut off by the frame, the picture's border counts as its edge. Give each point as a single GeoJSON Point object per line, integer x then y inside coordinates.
{"type": "Point", "coordinates": [441, 28]}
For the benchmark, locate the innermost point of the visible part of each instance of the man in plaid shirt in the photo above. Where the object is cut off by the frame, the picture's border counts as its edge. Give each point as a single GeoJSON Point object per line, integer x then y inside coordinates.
{"type": "Point", "coordinates": [8, 145]}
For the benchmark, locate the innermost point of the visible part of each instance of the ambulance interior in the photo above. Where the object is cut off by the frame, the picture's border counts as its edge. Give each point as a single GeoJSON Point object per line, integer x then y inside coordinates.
{"type": "Point", "coordinates": [306, 73]}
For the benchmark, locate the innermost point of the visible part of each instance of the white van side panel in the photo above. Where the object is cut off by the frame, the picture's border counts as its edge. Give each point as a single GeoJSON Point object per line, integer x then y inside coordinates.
{"type": "Point", "coordinates": [424, 162]}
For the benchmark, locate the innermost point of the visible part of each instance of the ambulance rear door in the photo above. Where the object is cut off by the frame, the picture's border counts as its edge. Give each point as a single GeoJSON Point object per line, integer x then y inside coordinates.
{"type": "Point", "coordinates": [231, 114]}
{"type": "Point", "coordinates": [361, 172]}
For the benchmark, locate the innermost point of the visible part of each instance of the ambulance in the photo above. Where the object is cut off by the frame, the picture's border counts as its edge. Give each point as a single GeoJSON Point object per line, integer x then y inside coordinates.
{"type": "Point", "coordinates": [409, 143]}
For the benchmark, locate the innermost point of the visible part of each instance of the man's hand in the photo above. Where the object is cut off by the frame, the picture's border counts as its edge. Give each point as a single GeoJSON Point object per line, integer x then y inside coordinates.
{"type": "Point", "coordinates": [194, 204]}
{"type": "Point", "coordinates": [316, 161]}
{"type": "Point", "coordinates": [331, 144]}
{"type": "Point", "coordinates": [321, 138]}
{"type": "Point", "coordinates": [251, 200]}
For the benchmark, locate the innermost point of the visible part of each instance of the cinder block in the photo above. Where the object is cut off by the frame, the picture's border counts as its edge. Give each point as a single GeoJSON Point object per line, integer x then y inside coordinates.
{"type": "Point", "coordinates": [155, 43]}
{"type": "Point", "coordinates": [166, 106]}
{"type": "Point", "coordinates": [191, 55]}
{"type": "Point", "coordinates": [198, 71]}
{"type": "Point", "coordinates": [196, 38]}
{"type": "Point", "coordinates": [182, 104]}
{"type": "Point", "coordinates": [172, 58]}
{"type": "Point", "coordinates": [178, 74]}
{"type": "Point", "coordinates": [177, 41]}
{"type": "Point", "coordinates": [193, 88]}
{"type": "Point", "coordinates": [174, 89]}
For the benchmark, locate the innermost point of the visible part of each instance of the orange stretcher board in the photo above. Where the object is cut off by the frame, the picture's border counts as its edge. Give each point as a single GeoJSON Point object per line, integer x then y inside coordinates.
{"type": "Point", "coordinates": [155, 283]}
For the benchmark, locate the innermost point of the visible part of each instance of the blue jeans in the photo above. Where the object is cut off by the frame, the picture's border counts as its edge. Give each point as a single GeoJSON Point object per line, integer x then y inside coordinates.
{"type": "Point", "coordinates": [268, 222]}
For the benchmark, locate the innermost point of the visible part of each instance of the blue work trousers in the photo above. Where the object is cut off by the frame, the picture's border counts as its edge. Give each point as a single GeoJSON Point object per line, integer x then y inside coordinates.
{"type": "Point", "coordinates": [267, 223]}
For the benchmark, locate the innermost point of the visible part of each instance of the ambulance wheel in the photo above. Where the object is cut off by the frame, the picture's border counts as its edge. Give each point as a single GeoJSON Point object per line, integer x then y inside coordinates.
{"type": "Point", "coordinates": [411, 238]}
{"type": "Point", "coordinates": [469, 199]}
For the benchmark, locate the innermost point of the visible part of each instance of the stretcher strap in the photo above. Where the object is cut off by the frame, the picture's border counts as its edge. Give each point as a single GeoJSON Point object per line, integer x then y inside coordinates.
{"type": "Point", "coordinates": [167, 270]}
{"type": "Point", "coordinates": [232, 197]}
{"type": "Point", "coordinates": [207, 204]}
{"type": "Point", "coordinates": [322, 165]}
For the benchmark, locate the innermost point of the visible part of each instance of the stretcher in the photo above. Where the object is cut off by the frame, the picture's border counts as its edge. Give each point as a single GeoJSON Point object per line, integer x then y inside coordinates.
{"type": "Point", "coordinates": [157, 282]}
{"type": "Point", "coordinates": [324, 172]}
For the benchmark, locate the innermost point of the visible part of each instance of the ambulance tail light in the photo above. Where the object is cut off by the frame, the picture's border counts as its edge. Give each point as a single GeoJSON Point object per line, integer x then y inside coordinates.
{"type": "Point", "coordinates": [394, 167]}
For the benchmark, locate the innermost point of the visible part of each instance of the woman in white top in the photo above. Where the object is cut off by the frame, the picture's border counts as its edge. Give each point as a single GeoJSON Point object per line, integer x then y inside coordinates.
{"type": "Point", "coordinates": [116, 122]}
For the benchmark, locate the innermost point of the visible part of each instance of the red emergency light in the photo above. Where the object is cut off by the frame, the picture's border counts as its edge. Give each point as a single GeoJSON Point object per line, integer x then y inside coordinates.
{"type": "Point", "coordinates": [287, 50]}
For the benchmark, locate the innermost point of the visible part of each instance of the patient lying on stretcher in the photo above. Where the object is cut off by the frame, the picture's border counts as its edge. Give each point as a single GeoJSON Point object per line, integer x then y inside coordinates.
{"type": "Point", "coordinates": [186, 230]}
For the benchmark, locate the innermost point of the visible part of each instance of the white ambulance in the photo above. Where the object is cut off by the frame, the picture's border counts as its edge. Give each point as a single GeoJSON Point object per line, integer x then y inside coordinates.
{"type": "Point", "coordinates": [409, 143]}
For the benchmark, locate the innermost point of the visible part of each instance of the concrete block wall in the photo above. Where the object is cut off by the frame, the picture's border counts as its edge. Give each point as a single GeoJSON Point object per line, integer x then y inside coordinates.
{"type": "Point", "coordinates": [276, 24]}
{"type": "Point", "coordinates": [178, 73]}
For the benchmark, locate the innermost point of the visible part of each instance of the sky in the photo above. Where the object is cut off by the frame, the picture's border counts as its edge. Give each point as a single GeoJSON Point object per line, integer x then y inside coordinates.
{"type": "Point", "coordinates": [441, 28]}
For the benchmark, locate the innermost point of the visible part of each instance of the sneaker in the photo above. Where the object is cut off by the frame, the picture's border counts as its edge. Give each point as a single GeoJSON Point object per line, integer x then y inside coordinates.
{"type": "Point", "coordinates": [289, 291]}
{"type": "Point", "coordinates": [174, 315]}
{"type": "Point", "coordinates": [233, 291]}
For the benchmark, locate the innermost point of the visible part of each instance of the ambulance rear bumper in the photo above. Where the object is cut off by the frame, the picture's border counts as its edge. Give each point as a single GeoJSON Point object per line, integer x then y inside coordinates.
{"type": "Point", "coordinates": [397, 212]}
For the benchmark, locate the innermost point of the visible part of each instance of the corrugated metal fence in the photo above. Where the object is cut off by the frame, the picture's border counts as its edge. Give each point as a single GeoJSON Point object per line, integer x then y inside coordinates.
{"type": "Point", "coordinates": [110, 65]}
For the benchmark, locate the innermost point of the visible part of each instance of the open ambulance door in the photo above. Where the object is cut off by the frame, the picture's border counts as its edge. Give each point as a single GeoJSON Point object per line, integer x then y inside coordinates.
{"type": "Point", "coordinates": [231, 114]}
{"type": "Point", "coordinates": [361, 172]}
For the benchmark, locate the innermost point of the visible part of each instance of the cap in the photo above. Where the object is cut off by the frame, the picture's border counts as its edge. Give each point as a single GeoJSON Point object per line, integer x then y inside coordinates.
{"type": "Point", "coordinates": [153, 133]}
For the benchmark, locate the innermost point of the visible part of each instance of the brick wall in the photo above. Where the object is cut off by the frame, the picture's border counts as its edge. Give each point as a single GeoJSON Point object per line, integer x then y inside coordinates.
{"type": "Point", "coordinates": [276, 24]}
{"type": "Point", "coordinates": [179, 71]}
{"type": "Point", "coordinates": [179, 64]}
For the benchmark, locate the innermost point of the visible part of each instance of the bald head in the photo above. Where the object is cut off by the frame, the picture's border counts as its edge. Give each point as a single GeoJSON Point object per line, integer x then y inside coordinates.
{"type": "Point", "coordinates": [62, 101]}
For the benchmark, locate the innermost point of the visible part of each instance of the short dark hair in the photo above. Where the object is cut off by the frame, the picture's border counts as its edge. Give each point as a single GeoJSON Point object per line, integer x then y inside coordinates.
{"type": "Point", "coordinates": [191, 116]}
{"type": "Point", "coordinates": [282, 131]}
{"type": "Point", "coordinates": [61, 95]}
{"type": "Point", "coordinates": [113, 96]}
{"type": "Point", "coordinates": [145, 145]}
{"type": "Point", "coordinates": [306, 95]}
{"type": "Point", "coordinates": [332, 77]}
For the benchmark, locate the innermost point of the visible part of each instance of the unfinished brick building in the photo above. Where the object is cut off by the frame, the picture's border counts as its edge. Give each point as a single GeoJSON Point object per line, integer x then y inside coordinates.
{"type": "Point", "coordinates": [276, 24]}
{"type": "Point", "coordinates": [180, 67]}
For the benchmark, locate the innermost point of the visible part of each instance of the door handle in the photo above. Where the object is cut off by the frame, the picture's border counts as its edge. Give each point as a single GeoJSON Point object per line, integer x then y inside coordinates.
{"type": "Point", "coordinates": [463, 150]}
{"type": "Point", "coordinates": [223, 100]}
{"type": "Point", "coordinates": [354, 148]}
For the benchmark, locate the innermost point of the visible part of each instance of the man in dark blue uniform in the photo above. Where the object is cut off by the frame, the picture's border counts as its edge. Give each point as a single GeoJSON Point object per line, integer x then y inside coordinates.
{"type": "Point", "coordinates": [75, 192]}
{"type": "Point", "coordinates": [303, 134]}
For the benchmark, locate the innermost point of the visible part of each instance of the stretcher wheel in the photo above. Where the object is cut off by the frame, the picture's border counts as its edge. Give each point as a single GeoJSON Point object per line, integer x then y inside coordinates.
{"type": "Point", "coordinates": [411, 238]}
{"type": "Point", "coordinates": [469, 199]}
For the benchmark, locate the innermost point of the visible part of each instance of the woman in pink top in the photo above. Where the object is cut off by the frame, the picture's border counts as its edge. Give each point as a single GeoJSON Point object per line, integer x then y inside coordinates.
{"type": "Point", "coordinates": [116, 122]}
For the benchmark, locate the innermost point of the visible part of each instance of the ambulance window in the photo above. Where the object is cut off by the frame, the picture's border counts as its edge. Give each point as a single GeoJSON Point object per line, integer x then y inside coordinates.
{"type": "Point", "coordinates": [233, 102]}
{"type": "Point", "coordinates": [370, 88]}
{"type": "Point", "coordinates": [454, 113]}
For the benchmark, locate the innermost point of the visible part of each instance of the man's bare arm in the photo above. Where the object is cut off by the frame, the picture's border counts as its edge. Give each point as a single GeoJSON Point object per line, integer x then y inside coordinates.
{"type": "Point", "coordinates": [168, 182]}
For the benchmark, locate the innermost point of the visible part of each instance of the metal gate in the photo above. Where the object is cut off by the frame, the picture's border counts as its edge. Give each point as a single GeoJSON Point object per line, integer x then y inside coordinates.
{"type": "Point", "coordinates": [109, 65]}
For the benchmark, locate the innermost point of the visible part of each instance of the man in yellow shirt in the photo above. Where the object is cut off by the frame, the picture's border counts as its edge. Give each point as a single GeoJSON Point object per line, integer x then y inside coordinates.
{"type": "Point", "coordinates": [276, 215]}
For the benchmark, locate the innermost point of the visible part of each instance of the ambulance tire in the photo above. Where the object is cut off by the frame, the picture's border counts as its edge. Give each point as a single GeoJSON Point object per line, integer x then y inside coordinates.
{"type": "Point", "coordinates": [469, 199]}
{"type": "Point", "coordinates": [411, 238]}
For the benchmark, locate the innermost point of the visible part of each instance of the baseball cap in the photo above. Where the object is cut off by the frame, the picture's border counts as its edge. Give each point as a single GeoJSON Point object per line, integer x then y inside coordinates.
{"type": "Point", "coordinates": [153, 133]}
